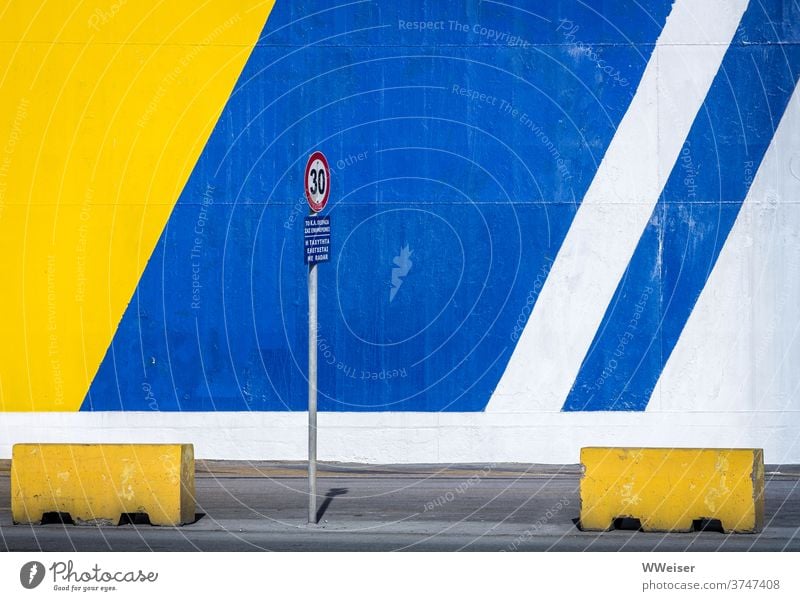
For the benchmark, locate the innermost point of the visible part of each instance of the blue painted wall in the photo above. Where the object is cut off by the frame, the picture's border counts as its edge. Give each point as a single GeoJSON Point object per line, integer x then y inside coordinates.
{"type": "Point", "coordinates": [465, 133]}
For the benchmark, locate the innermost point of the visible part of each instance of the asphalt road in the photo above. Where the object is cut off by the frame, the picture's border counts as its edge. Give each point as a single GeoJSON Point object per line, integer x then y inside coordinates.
{"type": "Point", "coordinates": [262, 506]}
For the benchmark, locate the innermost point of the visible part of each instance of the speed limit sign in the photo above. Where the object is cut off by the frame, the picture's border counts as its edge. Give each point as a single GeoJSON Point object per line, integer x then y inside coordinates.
{"type": "Point", "coordinates": [318, 181]}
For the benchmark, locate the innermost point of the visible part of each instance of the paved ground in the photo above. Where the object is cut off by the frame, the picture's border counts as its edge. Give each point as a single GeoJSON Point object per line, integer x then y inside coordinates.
{"type": "Point", "coordinates": [262, 506]}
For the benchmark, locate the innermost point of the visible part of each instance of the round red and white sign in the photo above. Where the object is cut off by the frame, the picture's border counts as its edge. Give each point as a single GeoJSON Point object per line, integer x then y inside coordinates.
{"type": "Point", "coordinates": [318, 181]}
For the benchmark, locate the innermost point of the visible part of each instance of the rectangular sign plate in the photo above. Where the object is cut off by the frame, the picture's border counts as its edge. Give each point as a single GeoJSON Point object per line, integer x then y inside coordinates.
{"type": "Point", "coordinates": [317, 234]}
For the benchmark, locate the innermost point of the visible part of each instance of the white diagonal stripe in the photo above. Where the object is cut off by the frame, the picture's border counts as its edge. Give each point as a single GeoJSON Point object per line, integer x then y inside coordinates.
{"type": "Point", "coordinates": [617, 206]}
{"type": "Point", "coordinates": [740, 348]}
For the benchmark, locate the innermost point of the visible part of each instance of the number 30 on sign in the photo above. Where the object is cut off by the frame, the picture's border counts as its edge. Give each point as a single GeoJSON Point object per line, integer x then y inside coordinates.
{"type": "Point", "coordinates": [318, 181]}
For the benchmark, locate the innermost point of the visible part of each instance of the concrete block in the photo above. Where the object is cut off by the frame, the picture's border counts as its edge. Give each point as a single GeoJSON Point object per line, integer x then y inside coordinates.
{"type": "Point", "coordinates": [667, 489]}
{"type": "Point", "coordinates": [100, 482]}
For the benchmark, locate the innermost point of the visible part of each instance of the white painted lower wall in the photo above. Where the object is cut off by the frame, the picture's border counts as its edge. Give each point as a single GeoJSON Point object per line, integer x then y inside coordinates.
{"type": "Point", "coordinates": [546, 437]}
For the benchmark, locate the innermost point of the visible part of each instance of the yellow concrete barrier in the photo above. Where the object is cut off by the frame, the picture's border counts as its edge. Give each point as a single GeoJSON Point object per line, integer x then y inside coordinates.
{"type": "Point", "coordinates": [95, 482]}
{"type": "Point", "coordinates": [667, 489]}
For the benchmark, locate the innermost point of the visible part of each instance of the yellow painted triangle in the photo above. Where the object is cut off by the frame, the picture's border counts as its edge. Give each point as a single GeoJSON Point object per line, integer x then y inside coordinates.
{"type": "Point", "coordinates": [105, 106]}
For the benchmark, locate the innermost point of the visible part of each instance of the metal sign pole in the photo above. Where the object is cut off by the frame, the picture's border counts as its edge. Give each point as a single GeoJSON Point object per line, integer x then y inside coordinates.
{"type": "Point", "coordinates": [317, 232]}
{"type": "Point", "coordinates": [312, 393]}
